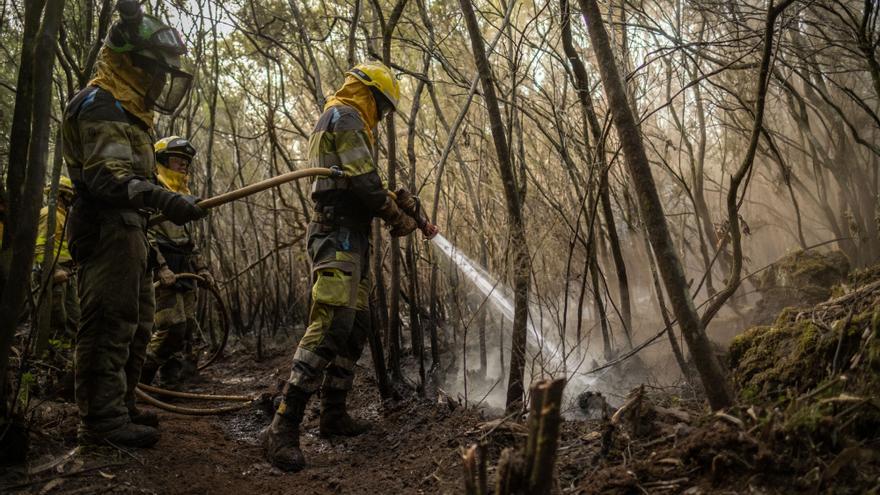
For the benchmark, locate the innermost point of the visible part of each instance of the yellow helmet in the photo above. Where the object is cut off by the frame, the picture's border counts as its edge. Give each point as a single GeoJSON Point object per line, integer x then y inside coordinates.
{"type": "Point", "coordinates": [379, 76]}
{"type": "Point", "coordinates": [173, 146]}
{"type": "Point", "coordinates": [65, 187]}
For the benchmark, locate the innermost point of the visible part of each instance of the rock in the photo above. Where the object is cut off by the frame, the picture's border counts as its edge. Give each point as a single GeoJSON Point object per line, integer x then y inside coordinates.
{"type": "Point", "coordinates": [593, 405]}
{"type": "Point", "coordinates": [799, 279]}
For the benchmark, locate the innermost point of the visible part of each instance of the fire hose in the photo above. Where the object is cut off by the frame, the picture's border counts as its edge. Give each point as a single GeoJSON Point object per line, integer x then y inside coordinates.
{"type": "Point", "coordinates": [228, 197]}
{"type": "Point", "coordinates": [192, 411]}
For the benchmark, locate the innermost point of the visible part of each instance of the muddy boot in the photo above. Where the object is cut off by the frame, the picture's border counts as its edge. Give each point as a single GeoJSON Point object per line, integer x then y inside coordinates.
{"type": "Point", "coordinates": [281, 438]}
{"type": "Point", "coordinates": [189, 370]}
{"type": "Point", "coordinates": [169, 374]}
{"type": "Point", "coordinates": [127, 435]}
{"type": "Point", "coordinates": [145, 418]}
{"type": "Point", "coordinates": [334, 417]}
{"type": "Point", "coordinates": [148, 371]}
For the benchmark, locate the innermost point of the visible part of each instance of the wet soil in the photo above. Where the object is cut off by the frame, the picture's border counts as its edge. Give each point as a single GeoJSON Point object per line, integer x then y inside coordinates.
{"type": "Point", "coordinates": [412, 448]}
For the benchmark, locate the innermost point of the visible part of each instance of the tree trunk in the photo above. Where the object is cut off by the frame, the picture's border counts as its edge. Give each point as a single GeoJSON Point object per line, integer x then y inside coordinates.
{"type": "Point", "coordinates": [38, 98]}
{"type": "Point", "coordinates": [521, 261]}
{"type": "Point", "coordinates": [44, 298]}
{"type": "Point", "coordinates": [599, 165]}
{"type": "Point", "coordinates": [711, 374]}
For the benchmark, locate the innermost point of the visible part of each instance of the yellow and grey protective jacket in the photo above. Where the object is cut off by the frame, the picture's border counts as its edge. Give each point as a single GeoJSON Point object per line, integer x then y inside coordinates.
{"type": "Point", "coordinates": [61, 253]}
{"type": "Point", "coordinates": [340, 139]}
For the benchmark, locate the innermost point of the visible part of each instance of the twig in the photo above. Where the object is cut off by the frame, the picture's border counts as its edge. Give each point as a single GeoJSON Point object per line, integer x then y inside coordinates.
{"type": "Point", "coordinates": [849, 317]}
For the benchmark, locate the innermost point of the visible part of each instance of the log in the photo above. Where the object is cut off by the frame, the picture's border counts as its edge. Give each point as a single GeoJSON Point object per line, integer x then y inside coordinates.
{"type": "Point", "coordinates": [547, 441]}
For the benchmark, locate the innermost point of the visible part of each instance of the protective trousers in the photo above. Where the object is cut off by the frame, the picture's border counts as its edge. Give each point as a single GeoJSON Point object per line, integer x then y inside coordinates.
{"type": "Point", "coordinates": [339, 320]}
{"type": "Point", "coordinates": [176, 325]}
{"type": "Point", "coordinates": [117, 316]}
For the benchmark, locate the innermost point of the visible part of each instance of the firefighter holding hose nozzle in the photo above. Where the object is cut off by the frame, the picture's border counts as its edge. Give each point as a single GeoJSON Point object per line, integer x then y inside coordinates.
{"type": "Point", "coordinates": [338, 248]}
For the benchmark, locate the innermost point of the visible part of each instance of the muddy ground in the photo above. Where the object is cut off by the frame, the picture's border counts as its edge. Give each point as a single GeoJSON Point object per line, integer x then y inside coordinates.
{"type": "Point", "coordinates": [661, 444]}
{"type": "Point", "coordinates": [413, 447]}
{"type": "Point", "coordinates": [807, 421]}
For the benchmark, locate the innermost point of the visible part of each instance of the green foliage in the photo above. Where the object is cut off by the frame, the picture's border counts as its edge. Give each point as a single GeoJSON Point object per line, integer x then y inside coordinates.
{"type": "Point", "coordinates": [60, 344]}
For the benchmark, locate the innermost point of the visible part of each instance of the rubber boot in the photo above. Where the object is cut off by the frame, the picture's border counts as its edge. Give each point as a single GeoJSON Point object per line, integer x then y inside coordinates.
{"type": "Point", "coordinates": [189, 370]}
{"type": "Point", "coordinates": [335, 419]}
{"type": "Point", "coordinates": [127, 435]}
{"type": "Point", "coordinates": [281, 438]}
{"type": "Point", "coordinates": [141, 417]}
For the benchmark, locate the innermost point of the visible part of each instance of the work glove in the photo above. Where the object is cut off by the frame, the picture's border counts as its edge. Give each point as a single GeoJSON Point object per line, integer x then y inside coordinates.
{"type": "Point", "coordinates": [430, 230]}
{"type": "Point", "coordinates": [400, 223]}
{"type": "Point", "coordinates": [179, 208]}
{"type": "Point", "coordinates": [166, 276]}
{"type": "Point", "coordinates": [60, 276]}
{"type": "Point", "coordinates": [411, 205]}
{"type": "Point", "coordinates": [207, 277]}
{"type": "Point", "coordinates": [182, 208]}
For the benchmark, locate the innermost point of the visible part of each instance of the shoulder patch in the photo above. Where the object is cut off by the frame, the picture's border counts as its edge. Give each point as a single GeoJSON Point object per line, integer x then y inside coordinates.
{"type": "Point", "coordinates": [100, 105]}
{"type": "Point", "coordinates": [347, 119]}
{"type": "Point", "coordinates": [339, 118]}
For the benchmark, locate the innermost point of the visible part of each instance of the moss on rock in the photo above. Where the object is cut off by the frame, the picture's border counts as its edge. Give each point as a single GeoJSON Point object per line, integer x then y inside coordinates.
{"type": "Point", "coordinates": [820, 365]}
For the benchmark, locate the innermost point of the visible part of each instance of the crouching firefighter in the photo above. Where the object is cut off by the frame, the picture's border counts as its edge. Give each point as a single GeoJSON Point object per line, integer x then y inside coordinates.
{"type": "Point", "coordinates": [338, 248]}
{"type": "Point", "coordinates": [108, 147]}
{"type": "Point", "coordinates": [170, 351]}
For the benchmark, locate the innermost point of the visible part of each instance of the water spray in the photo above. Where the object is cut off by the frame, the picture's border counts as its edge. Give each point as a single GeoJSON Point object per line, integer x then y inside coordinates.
{"type": "Point", "coordinates": [497, 294]}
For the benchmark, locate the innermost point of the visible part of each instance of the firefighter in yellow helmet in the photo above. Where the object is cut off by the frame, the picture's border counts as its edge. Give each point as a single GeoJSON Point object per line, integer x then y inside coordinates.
{"type": "Point", "coordinates": [65, 298]}
{"type": "Point", "coordinates": [338, 248]}
{"type": "Point", "coordinates": [170, 350]}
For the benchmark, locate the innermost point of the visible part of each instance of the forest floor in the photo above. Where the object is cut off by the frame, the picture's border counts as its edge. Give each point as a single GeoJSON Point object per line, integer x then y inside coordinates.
{"type": "Point", "coordinates": [412, 448]}
{"type": "Point", "coordinates": [807, 420]}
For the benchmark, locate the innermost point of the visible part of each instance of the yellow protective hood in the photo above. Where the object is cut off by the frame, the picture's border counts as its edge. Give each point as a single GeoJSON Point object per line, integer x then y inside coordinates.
{"type": "Point", "coordinates": [175, 181]}
{"type": "Point", "coordinates": [116, 74]}
{"type": "Point", "coordinates": [358, 96]}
